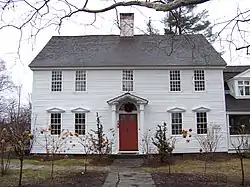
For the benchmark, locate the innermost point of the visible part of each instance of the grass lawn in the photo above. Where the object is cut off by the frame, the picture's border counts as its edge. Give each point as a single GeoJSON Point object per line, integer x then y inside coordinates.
{"type": "Point", "coordinates": [61, 162]}
{"type": "Point", "coordinates": [66, 171]}
{"type": "Point", "coordinates": [41, 178]}
{"type": "Point", "coordinates": [227, 170]}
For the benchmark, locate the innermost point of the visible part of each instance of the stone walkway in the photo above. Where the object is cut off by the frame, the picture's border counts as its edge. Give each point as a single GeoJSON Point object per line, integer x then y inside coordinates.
{"type": "Point", "coordinates": [128, 173]}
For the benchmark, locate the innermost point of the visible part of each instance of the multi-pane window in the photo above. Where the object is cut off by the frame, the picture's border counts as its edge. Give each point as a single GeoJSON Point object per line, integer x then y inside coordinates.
{"type": "Point", "coordinates": [55, 123]}
{"type": "Point", "coordinates": [176, 123]}
{"type": "Point", "coordinates": [56, 82]}
{"type": "Point", "coordinates": [80, 123]}
{"type": "Point", "coordinates": [80, 82]}
{"type": "Point", "coordinates": [199, 80]}
{"type": "Point", "coordinates": [175, 80]}
{"type": "Point", "coordinates": [127, 80]}
{"type": "Point", "coordinates": [201, 121]}
{"type": "Point", "coordinates": [244, 88]}
{"type": "Point", "coordinates": [239, 124]}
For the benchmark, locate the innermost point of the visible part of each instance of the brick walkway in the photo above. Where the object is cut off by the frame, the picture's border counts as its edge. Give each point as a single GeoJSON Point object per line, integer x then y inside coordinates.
{"type": "Point", "coordinates": [128, 172]}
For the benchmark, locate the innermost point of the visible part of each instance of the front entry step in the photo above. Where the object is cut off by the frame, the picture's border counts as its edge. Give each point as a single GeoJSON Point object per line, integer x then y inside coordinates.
{"type": "Point", "coordinates": [128, 154]}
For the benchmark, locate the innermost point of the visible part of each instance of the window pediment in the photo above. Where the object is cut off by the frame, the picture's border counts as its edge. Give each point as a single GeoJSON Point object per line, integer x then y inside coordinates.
{"type": "Point", "coordinates": [127, 97]}
{"type": "Point", "coordinates": [201, 109]}
{"type": "Point", "coordinates": [176, 109]}
{"type": "Point", "coordinates": [80, 109]}
{"type": "Point", "coordinates": [55, 110]}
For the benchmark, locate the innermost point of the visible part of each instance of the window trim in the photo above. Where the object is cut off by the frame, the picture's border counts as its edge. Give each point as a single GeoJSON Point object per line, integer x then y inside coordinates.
{"type": "Point", "coordinates": [133, 81]}
{"type": "Point", "coordinates": [244, 87]}
{"type": "Point", "coordinates": [81, 110]}
{"type": "Point", "coordinates": [51, 75]}
{"type": "Point", "coordinates": [175, 81]}
{"type": "Point", "coordinates": [171, 125]}
{"type": "Point", "coordinates": [78, 80]}
{"type": "Point", "coordinates": [85, 119]}
{"type": "Point", "coordinates": [205, 82]}
{"type": "Point", "coordinates": [196, 124]}
{"type": "Point", "coordinates": [61, 116]}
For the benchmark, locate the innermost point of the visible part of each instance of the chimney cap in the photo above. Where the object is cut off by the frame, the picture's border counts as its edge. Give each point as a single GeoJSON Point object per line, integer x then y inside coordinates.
{"type": "Point", "coordinates": [127, 14]}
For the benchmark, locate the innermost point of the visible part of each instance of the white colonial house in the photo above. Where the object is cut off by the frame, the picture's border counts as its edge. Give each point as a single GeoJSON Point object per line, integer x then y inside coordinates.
{"type": "Point", "coordinates": [134, 82]}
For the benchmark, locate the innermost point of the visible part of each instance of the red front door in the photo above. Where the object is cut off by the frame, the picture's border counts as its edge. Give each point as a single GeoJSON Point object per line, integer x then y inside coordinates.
{"type": "Point", "coordinates": [128, 134]}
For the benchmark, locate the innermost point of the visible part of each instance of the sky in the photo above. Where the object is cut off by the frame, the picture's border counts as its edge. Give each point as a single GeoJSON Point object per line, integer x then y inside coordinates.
{"type": "Point", "coordinates": [17, 64]}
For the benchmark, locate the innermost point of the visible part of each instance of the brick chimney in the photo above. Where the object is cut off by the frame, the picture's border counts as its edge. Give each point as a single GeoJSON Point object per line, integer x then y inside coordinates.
{"type": "Point", "coordinates": [127, 24]}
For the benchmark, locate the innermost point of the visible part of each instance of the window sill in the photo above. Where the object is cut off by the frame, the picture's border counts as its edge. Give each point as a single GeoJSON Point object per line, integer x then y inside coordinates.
{"type": "Point", "coordinates": [238, 135]}
{"type": "Point", "coordinates": [80, 92]}
{"type": "Point", "coordinates": [177, 135]}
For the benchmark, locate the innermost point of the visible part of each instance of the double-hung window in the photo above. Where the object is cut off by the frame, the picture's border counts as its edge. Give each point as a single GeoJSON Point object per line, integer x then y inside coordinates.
{"type": "Point", "coordinates": [80, 123]}
{"type": "Point", "coordinates": [56, 82]}
{"type": "Point", "coordinates": [55, 123]}
{"type": "Point", "coordinates": [176, 119]}
{"type": "Point", "coordinates": [127, 80]}
{"type": "Point", "coordinates": [201, 122]}
{"type": "Point", "coordinates": [244, 88]}
{"type": "Point", "coordinates": [199, 80]}
{"type": "Point", "coordinates": [175, 80]}
{"type": "Point", "coordinates": [80, 81]}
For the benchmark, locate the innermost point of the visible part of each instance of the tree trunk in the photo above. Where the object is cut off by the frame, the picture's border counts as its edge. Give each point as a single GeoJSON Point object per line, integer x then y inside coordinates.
{"type": "Point", "coordinates": [52, 168]}
{"type": "Point", "coordinates": [205, 166]}
{"type": "Point", "coordinates": [85, 167]}
{"type": "Point", "coordinates": [179, 21]}
{"type": "Point", "coordinates": [169, 168]}
{"type": "Point", "coordinates": [2, 161]}
{"type": "Point", "coordinates": [21, 172]}
{"type": "Point", "coordinates": [242, 170]}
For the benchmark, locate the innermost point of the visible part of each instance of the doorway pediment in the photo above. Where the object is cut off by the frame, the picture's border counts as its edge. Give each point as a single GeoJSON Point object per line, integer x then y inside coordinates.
{"type": "Point", "coordinates": [127, 96]}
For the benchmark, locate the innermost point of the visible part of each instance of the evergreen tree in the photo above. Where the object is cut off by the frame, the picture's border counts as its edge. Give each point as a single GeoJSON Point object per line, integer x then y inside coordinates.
{"type": "Point", "coordinates": [187, 20]}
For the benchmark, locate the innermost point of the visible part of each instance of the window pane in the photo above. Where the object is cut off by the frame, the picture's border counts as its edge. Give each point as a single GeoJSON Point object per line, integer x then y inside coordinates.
{"type": "Point", "coordinates": [175, 80]}
{"type": "Point", "coordinates": [55, 125]}
{"type": "Point", "coordinates": [176, 123]}
{"type": "Point", "coordinates": [247, 90]}
{"type": "Point", "coordinates": [80, 81]}
{"type": "Point", "coordinates": [127, 80]}
{"type": "Point", "coordinates": [56, 82]}
{"type": "Point", "coordinates": [241, 90]}
{"type": "Point", "coordinates": [199, 80]}
{"type": "Point", "coordinates": [239, 124]}
{"type": "Point", "coordinates": [201, 120]}
{"type": "Point", "coordinates": [246, 82]}
{"type": "Point", "coordinates": [80, 123]}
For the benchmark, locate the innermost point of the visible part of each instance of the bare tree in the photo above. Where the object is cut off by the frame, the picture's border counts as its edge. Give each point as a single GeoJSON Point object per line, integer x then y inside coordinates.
{"type": "Point", "coordinates": [209, 142]}
{"type": "Point", "coordinates": [147, 141]}
{"type": "Point", "coordinates": [5, 150]}
{"type": "Point", "coordinates": [241, 146]}
{"type": "Point", "coordinates": [85, 142]}
{"type": "Point", "coordinates": [40, 15]}
{"type": "Point", "coordinates": [53, 144]}
{"type": "Point", "coordinates": [17, 130]}
{"type": "Point", "coordinates": [5, 86]}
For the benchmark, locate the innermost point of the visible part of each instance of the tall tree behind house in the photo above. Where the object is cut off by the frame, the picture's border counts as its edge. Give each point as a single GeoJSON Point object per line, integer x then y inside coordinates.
{"type": "Point", "coordinates": [187, 20]}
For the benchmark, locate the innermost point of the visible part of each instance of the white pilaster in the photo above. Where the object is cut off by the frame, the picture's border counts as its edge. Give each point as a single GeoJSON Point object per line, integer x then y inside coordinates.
{"type": "Point", "coordinates": [141, 127]}
{"type": "Point", "coordinates": [114, 126]}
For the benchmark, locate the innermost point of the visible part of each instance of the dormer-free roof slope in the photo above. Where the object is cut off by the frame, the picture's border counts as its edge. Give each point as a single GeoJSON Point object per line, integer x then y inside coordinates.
{"type": "Point", "coordinates": [135, 51]}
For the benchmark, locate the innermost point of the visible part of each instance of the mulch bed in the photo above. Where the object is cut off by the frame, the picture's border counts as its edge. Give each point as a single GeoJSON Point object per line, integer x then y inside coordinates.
{"type": "Point", "coordinates": [188, 180]}
{"type": "Point", "coordinates": [89, 179]}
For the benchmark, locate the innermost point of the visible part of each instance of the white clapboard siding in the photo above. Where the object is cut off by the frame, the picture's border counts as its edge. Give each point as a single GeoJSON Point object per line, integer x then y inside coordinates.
{"type": "Point", "coordinates": [152, 85]}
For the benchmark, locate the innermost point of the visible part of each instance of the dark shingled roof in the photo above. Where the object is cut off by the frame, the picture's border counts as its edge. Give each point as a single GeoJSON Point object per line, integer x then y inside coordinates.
{"type": "Point", "coordinates": [232, 104]}
{"type": "Point", "coordinates": [116, 51]}
{"type": "Point", "coordinates": [231, 71]}
{"type": "Point", "coordinates": [237, 105]}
